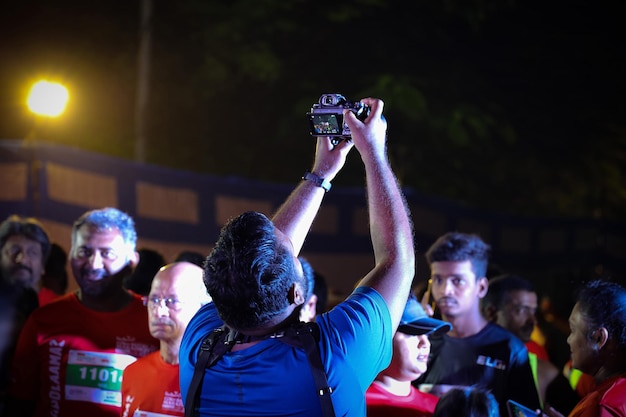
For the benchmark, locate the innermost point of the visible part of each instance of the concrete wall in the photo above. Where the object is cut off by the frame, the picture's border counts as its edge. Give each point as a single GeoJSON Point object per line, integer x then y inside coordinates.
{"type": "Point", "coordinates": [178, 210]}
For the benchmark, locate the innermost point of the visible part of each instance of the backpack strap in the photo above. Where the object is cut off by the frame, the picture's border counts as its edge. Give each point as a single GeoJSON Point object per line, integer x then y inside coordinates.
{"type": "Point", "coordinates": [213, 347]}
{"type": "Point", "coordinates": [302, 336]}
{"type": "Point", "coordinates": [306, 336]}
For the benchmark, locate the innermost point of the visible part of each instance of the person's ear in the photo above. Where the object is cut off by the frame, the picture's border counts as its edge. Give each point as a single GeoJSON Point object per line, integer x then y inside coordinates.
{"type": "Point", "coordinates": [483, 286]}
{"type": "Point", "coordinates": [296, 294]}
{"type": "Point", "coordinates": [490, 312]}
{"type": "Point", "coordinates": [312, 305]}
{"type": "Point", "coordinates": [133, 259]}
{"type": "Point", "coordinates": [599, 337]}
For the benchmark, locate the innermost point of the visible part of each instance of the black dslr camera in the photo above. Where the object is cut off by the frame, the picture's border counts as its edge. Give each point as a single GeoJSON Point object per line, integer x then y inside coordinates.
{"type": "Point", "coordinates": [326, 116]}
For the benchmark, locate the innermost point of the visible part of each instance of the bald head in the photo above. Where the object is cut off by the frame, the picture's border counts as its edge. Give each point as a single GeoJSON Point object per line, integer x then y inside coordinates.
{"type": "Point", "coordinates": [187, 277]}
{"type": "Point", "coordinates": [176, 294]}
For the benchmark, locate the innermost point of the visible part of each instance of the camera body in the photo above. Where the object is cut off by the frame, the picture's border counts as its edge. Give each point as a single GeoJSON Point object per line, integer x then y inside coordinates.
{"type": "Point", "coordinates": [326, 116]}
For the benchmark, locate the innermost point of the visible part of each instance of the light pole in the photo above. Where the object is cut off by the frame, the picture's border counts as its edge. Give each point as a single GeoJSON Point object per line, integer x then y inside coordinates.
{"type": "Point", "coordinates": [46, 99]}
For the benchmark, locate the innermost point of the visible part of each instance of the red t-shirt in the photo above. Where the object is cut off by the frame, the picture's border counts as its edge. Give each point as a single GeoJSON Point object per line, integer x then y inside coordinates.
{"type": "Point", "coordinates": [382, 403]}
{"type": "Point", "coordinates": [151, 388]}
{"type": "Point", "coordinates": [46, 295]}
{"type": "Point", "coordinates": [537, 349]}
{"type": "Point", "coordinates": [69, 359]}
{"type": "Point", "coordinates": [607, 400]}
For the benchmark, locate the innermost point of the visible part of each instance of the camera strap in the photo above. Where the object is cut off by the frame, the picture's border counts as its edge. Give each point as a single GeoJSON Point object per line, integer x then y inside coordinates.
{"type": "Point", "coordinates": [221, 340]}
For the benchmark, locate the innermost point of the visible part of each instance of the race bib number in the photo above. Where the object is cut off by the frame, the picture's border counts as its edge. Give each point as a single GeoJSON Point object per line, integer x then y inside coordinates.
{"type": "Point", "coordinates": [139, 413]}
{"type": "Point", "coordinates": [96, 377]}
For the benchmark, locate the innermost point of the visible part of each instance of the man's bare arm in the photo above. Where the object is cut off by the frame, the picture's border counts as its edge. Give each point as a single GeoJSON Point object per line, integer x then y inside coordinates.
{"type": "Point", "coordinates": [295, 217]}
{"type": "Point", "coordinates": [390, 227]}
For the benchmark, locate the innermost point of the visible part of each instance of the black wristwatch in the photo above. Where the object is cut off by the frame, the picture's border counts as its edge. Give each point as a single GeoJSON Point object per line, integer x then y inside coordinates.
{"type": "Point", "coordinates": [317, 180]}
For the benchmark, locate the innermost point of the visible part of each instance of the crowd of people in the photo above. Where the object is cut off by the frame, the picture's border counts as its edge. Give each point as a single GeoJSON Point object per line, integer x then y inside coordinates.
{"type": "Point", "coordinates": [245, 330]}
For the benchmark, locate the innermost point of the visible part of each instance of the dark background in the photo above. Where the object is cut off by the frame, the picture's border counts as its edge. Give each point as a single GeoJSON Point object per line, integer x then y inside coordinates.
{"type": "Point", "coordinates": [506, 106]}
{"type": "Point", "coordinates": [515, 106]}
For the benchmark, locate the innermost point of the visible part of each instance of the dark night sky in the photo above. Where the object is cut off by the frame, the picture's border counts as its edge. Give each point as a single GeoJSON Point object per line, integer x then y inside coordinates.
{"type": "Point", "coordinates": [513, 105]}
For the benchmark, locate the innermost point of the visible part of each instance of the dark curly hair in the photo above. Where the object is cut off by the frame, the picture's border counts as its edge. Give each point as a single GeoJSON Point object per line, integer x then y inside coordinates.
{"type": "Point", "coordinates": [501, 287]}
{"type": "Point", "coordinates": [29, 227]}
{"type": "Point", "coordinates": [603, 304]}
{"type": "Point", "coordinates": [108, 218]}
{"type": "Point", "coordinates": [467, 402]}
{"type": "Point", "coordinates": [249, 272]}
{"type": "Point", "coordinates": [459, 247]}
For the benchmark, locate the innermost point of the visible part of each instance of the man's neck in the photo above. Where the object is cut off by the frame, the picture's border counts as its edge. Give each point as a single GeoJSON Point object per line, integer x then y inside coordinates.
{"type": "Point", "coordinates": [105, 303]}
{"type": "Point", "coordinates": [392, 385]}
{"type": "Point", "coordinates": [466, 325]}
{"type": "Point", "coordinates": [169, 351]}
{"type": "Point", "coordinates": [290, 316]}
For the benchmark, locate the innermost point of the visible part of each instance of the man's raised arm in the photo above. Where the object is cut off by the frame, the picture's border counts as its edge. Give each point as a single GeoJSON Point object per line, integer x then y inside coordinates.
{"type": "Point", "coordinates": [295, 216]}
{"type": "Point", "coordinates": [390, 227]}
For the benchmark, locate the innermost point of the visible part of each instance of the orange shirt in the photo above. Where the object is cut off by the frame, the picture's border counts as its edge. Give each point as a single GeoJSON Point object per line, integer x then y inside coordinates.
{"type": "Point", "coordinates": [151, 385]}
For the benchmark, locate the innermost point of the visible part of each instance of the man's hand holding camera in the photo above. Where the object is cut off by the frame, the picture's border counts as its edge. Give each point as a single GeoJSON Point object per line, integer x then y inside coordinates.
{"type": "Point", "coordinates": [369, 136]}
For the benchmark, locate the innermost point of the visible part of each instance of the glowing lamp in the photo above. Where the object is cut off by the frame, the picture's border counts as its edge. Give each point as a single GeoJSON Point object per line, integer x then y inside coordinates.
{"type": "Point", "coordinates": [47, 98]}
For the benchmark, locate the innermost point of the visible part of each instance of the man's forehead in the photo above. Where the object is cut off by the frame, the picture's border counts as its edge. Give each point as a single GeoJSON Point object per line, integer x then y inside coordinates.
{"type": "Point", "coordinates": [523, 297]}
{"type": "Point", "coordinates": [177, 279]}
{"type": "Point", "coordinates": [451, 268]}
{"type": "Point", "coordinates": [21, 238]}
{"type": "Point", "coordinates": [112, 234]}
{"type": "Point", "coordinates": [168, 286]}
{"type": "Point", "coordinates": [576, 317]}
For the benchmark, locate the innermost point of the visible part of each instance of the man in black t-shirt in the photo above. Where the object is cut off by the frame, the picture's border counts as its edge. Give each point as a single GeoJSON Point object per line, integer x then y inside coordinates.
{"type": "Point", "coordinates": [476, 352]}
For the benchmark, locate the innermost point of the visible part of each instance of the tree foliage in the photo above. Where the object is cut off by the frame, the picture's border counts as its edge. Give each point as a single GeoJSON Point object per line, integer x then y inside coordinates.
{"type": "Point", "coordinates": [513, 106]}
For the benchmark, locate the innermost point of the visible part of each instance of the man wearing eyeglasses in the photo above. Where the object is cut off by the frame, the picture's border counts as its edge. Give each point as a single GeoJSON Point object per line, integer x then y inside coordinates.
{"type": "Point", "coordinates": [72, 352]}
{"type": "Point", "coordinates": [151, 384]}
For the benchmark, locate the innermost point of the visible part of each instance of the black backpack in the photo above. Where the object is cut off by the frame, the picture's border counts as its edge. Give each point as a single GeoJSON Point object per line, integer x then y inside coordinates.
{"type": "Point", "coordinates": [221, 340]}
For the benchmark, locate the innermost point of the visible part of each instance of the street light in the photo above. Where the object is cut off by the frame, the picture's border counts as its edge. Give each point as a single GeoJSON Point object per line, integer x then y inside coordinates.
{"type": "Point", "coordinates": [47, 98]}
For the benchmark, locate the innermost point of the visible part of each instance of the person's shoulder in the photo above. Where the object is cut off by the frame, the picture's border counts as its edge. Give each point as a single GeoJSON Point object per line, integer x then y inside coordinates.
{"type": "Point", "coordinates": [202, 323]}
{"type": "Point", "coordinates": [137, 369]}
{"type": "Point", "coordinates": [546, 369]}
{"type": "Point", "coordinates": [615, 394]}
{"type": "Point", "coordinates": [497, 332]}
{"type": "Point", "coordinates": [141, 363]}
{"type": "Point", "coordinates": [363, 302]}
{"type": "Point", "coordinates": [51, 310]}
{"type": "Point", "coordinates": [207, 314]}
{"type": "Point", "coordinates": [136, 301]}
{"type": "Point", "coordinates": [134, 310]}
{"type": "Point", "coordinates": [365, 296]}
{"type": "Point", "coordinates": [537, 349]}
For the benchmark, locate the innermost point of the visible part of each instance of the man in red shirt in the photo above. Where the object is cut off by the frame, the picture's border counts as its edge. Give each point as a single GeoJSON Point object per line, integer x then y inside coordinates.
{"type": "Point", "coordinates": [71, 353]}
{"type": "Point", "coordinates": [151, 383]}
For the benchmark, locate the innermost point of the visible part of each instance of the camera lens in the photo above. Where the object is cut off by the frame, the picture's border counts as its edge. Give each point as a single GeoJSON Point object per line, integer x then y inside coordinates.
{"type": "Point", "coordinates": [329, 100]}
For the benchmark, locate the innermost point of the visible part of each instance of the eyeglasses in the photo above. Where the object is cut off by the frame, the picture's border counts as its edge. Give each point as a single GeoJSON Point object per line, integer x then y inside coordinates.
{"type": "Point", "coordinates": [171, 303]}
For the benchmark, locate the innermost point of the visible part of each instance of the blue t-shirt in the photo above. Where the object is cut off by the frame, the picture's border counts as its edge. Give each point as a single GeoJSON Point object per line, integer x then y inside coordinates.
{"type": "Point", "coordinates": [272, 378]}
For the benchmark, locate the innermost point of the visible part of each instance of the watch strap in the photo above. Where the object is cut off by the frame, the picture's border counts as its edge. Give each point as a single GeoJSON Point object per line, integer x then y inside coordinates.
{"type": "Point", "coordinates": [317, 180]}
